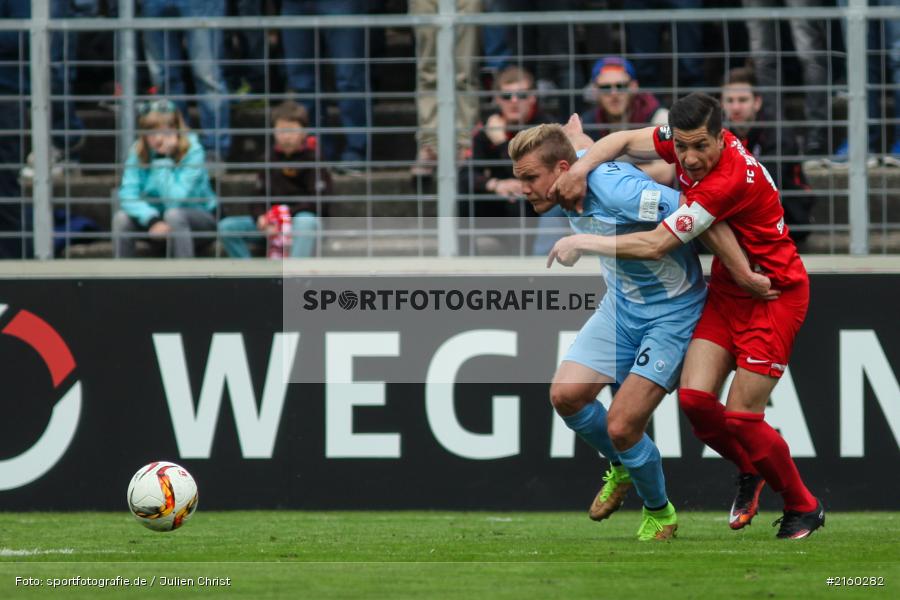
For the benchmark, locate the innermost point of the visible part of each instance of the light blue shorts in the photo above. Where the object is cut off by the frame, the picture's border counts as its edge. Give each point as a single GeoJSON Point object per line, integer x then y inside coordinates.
{"type": "Point", "coordinates": [618, 342]}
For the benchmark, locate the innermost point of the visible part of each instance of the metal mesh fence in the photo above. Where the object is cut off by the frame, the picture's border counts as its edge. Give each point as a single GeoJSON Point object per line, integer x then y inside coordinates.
{"type": "Point", "coordinates": [400, 148]}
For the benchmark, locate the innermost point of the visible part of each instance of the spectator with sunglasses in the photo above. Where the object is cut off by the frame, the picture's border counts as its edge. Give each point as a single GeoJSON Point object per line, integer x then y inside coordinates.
{"type": "Point", "coordinates": [621, 105]}
{"type": "Point", "coordinates": [487, 183]}
{"type": "Point", "coordinates": [165, 187]}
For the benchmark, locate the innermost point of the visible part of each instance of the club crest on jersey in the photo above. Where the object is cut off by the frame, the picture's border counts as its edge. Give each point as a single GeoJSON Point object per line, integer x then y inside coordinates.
{"type": "Point", "coordinates": [664, 133]}
{"type": "Point", "coordinates": [684, 223]}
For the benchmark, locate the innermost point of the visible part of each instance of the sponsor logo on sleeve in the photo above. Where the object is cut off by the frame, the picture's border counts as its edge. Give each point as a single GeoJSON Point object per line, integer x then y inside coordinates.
{"type": "Point", "coordinates": [664, 133]}
{"type": "Point", "coordinates": [649, 207]}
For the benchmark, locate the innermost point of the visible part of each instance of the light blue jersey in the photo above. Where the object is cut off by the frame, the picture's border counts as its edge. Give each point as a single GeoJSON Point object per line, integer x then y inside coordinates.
{"type": "Point", "coordinates": [623, 199]}
{"type": "Point", "coordinates": [645, 321]}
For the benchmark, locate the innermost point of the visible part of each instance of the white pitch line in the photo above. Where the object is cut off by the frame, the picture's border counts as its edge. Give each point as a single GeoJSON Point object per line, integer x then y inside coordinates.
{"type": "Point", "coordinates": [34, 552]}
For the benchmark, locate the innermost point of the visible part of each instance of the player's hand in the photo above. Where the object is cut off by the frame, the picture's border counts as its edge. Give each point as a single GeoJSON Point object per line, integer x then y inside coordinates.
{"type": "Point", "coordinates": [573, 127]}
{"type": "Point", "coordinates": [495, 129]}
{"type": "Point", "coordinates": [759, 286]}
{"type": "Point", "coordinates": [573, 130]}
{"type": "Point", "coordinates": [565, 251]}
{"type": "Point", "coordinates": [569, 189]}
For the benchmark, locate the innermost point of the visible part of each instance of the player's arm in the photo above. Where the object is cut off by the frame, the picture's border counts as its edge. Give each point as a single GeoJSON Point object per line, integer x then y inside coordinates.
{"type": "Point", "coordinates": [721, 240]}
{"type": "Point", "coordinates": [658, 170]}
{"type": "Point", "coordinates": [571, 186]}
{"type": "Point", "coordinates": [644, 245]}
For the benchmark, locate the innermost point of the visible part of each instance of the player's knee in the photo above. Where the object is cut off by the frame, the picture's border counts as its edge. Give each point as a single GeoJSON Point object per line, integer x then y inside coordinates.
{"type": "Point", "coordinates": [623, 433]}
{"type": "Point", "coordinates": [567, 399]}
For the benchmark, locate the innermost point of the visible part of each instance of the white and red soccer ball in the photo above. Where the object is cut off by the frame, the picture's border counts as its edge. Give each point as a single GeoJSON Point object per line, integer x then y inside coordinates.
{"type": "Point", "coordinates": [162, 496]}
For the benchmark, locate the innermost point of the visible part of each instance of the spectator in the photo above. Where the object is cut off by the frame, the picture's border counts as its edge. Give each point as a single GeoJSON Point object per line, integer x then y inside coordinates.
{"type": "Point", "coordinates": [66, 126]}
{"type": "Point", "coordinates": [548, 48]}
{"type": "Point", "coordinates": [285, 182]}
{"type": "Point", "coordinates": [809, 43]}
{"type": "Point", "coordinates": [247, 51]}
{"type": "Point", "coordinates": [165, 187]}
{"type": "Point", "coordinates": [619, 102]}
{"type": "Point", "coordinates": [13, 71]}
{"type": "Point", "coordinates": [646, 38]}
{"type": "Point", "coordinates": [743, 106]}
{"type": "Point", "coordinates": [490, 171]}
{"type": "Point", "coordinates": [347, 47]}
{"type": "Point", "coordinates": [426, 75]}
{"type": "Point", "coordinates": [165, 51]}
{"type": "Point", "coordinates": [889, 43]}
{"type": "Point", "coordinates": [621, 105]}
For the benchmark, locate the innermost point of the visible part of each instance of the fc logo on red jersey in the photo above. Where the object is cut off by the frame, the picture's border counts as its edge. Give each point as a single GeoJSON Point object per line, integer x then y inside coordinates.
{"type": "Point", "coordinates": [684, 223]}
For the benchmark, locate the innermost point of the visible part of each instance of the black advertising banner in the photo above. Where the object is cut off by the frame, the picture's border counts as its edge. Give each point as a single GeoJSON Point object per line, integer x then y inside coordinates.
{"type": "Point", "coordinates": [424, 392]}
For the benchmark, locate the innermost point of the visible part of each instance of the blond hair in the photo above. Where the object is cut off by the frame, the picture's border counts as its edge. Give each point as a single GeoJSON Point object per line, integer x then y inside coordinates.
{"type": "Point", "coordinates": [549, 140]}
{"type": "Point", "coordinates": [170, 119]}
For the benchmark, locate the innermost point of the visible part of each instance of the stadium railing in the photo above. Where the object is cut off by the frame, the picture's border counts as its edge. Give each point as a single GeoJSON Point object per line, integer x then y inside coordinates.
{"type": "Point", "coordinates": [382, 211]}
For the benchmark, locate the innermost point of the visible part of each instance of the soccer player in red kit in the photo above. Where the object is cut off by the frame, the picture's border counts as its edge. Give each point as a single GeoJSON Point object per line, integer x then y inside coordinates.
{"type": "Point", "coordinates": [752, 333]}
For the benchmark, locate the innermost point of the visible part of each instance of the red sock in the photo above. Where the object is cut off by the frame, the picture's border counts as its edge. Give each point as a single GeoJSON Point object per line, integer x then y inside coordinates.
{"type": "Point", "coordinates": [707, 416]}
{"type": "Point", "coordinates": [772, 457]}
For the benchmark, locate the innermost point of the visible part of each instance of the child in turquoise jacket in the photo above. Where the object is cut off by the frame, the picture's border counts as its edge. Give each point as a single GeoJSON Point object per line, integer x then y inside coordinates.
{"type": "Point", "coordinates": [165, 187]}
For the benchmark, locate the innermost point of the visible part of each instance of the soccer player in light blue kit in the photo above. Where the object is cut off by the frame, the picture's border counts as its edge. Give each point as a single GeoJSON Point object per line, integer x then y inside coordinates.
{"type": "Point", "coordinates": [638, 336]}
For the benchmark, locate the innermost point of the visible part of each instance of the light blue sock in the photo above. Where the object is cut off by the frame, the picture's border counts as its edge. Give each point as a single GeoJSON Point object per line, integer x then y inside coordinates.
{"type": "Point", "coordinates": [644, 464]}
{"type": "Point", "coordinates": [590, 425]}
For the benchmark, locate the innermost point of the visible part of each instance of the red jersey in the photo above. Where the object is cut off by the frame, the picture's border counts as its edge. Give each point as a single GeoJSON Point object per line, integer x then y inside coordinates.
{"type": "Point", "coordinates": [739, 190]}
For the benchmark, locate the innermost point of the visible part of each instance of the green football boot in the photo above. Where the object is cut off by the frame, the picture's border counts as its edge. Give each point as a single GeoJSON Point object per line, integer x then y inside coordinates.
{"type": "Point", "coordinates": [616, 483]}
{"type": "Point", "coordinates": [658, 524]}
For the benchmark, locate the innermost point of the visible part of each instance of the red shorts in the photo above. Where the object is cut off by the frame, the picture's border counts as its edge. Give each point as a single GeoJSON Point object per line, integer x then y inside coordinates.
{"type": "Point", "coordinates": [758, 333]}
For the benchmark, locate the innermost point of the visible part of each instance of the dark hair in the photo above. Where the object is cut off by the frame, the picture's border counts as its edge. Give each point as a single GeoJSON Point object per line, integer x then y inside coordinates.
{"type": "Point", "coordinates": [743, 75]}
{"type": "Point", "coordinates": [695, 111]}
{"type": "Point", "coordinates": [290, 111]}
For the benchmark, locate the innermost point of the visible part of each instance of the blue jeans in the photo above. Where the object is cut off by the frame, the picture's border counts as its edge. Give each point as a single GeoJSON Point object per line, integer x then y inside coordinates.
{"type": "Point", "coordinates": [892, 45]}
{"type": "Point", "coordinates": [644, 38]}
{"type": "Point", "coordinates": [205, 48]}
{"type": "Point", "coordinates": [253, 47]}
{"type": "Point", "coordinates": [304, 226]}
{"type": "Point", "coordinates": [66, 125]}
{"type": "Point", "coordinates": [495, 38]}
{"type": "Point", "coordinates": [349, 77]}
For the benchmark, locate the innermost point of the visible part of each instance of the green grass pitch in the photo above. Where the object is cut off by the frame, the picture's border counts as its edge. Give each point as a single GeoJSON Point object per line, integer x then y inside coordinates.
{"type": "Point", "coordinates": [465, 555]}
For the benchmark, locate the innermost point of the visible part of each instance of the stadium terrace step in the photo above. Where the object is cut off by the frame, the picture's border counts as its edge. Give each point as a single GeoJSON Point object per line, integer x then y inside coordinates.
{"type": "Point", "coordinates": [395, 245]}
{"type": "Point", "coordinates": [93, 193]}
{"type": "Point", "coordinates": [884, 195]}
{"type": "Point", "coordinates": [839, 243]}
{"type": "Point", "coordinates": [249, 144]}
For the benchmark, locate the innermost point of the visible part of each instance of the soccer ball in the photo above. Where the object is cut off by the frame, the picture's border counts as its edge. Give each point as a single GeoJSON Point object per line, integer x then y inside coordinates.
{"type": "Point", "coordinates": [162, 496]}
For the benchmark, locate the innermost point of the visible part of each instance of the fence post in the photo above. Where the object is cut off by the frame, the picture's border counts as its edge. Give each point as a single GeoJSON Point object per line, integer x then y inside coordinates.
{"type": "Point", "coordinates": [126, 75]}
{"type": "Point", "coordinates": [446, 134]}
{"type": "Point", "coordinates": [857, 128]}
{"type": "Point", "coordinates": [42, 184]}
